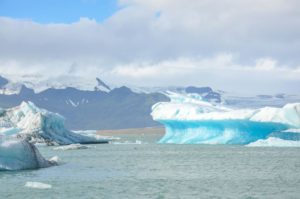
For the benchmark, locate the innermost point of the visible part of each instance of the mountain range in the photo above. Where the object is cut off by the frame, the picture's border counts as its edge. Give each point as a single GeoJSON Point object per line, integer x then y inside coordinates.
{"type": "Point", "coordinates": [92, 104]}
{"type": "Point", "coordinates": [83, 109]}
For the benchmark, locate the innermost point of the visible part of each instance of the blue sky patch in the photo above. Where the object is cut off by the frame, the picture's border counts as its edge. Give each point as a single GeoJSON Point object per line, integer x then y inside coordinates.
{"type": "Point", "coordinates": [58, 11]}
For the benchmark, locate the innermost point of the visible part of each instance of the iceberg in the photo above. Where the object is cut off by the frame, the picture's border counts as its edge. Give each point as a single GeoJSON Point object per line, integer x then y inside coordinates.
{"type": "Point", "coordinates": [190, 120]}
{"type": "Point", "coordinates": [19, 154]}
{"type": "Point", "coordinates": [40, 126]}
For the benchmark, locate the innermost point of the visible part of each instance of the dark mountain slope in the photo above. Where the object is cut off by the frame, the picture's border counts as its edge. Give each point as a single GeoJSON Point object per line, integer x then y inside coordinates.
{"type": "Point", "coordinates": [119, 108]}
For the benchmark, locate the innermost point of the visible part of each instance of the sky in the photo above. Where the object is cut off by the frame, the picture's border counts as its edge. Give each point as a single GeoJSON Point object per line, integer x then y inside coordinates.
{"type": "Point", "coordinates": [249, 46]}
{"type": "Point", "coordinates": [58, 11]}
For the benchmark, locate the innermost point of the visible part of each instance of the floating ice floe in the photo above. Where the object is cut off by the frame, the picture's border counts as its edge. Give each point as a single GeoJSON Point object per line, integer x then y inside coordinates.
{"type": "Point", "coordinates": [71, 147]}
{"type": "Point", "coordinates": [189, 120]}
{"type": "Point", "coordinates": [274, 142]}
{"type": "Point", "coordinates": [40, 126]}
{"type": "Point", "coordinates": [18, 154]}
{"type": "Point", "coordinates": [38, 185]}
{"type": "Point", "coordinates": [130, 142]}
{"type": "Point", "coordinates": [94, 133]}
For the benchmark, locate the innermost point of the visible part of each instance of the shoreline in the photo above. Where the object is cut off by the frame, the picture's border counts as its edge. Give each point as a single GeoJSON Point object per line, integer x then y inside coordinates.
{"type": "Point", "coordinates": [133, 131]}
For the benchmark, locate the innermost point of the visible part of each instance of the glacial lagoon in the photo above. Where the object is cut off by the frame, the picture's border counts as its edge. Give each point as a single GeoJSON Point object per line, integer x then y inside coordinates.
{"type": "Point", "coordinates": [136, 167]}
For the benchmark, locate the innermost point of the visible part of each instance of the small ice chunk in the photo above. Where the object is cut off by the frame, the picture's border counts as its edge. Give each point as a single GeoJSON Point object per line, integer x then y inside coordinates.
{"type": "Point", "coordinates": [274, 142]}
{"type": "Point", "coordinates": [71, 147]}
{"type": "Point", "coordinates": [138, 142]}
{"type": "Point", "coordinates": [54, 160]}
{"type": "Point", "coordinates": [38, 185]}
{"type": "Point", "coordinates": [129, 142]}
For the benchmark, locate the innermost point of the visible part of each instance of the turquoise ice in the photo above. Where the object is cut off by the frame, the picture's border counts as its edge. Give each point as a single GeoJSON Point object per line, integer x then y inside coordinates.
{"type": "Point", "coordinates": [189, 120]}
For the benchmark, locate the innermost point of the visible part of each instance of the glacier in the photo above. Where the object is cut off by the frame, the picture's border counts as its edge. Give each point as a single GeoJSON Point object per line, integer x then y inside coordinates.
{"type": "Point", "coordinates": [190, 120]}
{"type": "Point", "coordinates": [19, 154]}
{"type": "Point", "coordinates": [40, 126]}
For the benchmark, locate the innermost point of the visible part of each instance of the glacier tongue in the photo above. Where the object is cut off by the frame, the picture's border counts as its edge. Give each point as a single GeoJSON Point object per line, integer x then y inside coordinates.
{"type": "Point", "coordinates": [189, 120]}
{"type": "Point", "coordinates": [39, 125]}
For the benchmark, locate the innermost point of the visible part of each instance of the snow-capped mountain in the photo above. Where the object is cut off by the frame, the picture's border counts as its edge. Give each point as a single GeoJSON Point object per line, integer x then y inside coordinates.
{"type": "Point", "coordinates": [13, 84]}
{"type": "Point", "coordinates": [230, 99]}
{"type": "Point", "coordinates": [90, 105]}
{"type": "Point", "coordinates": [206, 93]}
{"type": "Point", "coordinates": [93, 104]}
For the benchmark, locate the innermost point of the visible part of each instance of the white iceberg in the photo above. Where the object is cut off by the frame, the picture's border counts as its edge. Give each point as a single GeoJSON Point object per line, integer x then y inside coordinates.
{"type": "Point", "coordinates": [274, 142]}
{"type": "Point", "coordinates": [189, 120]}
{"type": "Point", "coordinates": [40, 126]}
{"type": "Point", "coordinates": [19, 154]}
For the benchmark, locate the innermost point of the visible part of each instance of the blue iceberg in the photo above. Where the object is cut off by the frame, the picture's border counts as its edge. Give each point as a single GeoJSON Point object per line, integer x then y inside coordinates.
{"type": "Point", "coordinates": [19, 154]}
{"type": "Point", "coordinates": [189, 120]}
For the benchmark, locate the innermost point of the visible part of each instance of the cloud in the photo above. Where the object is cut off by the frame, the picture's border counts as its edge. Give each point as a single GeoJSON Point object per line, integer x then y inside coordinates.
{"type": "Point", "coordinates": [203, 42]}
{"type": "Point", "coordinates": [221, 72]}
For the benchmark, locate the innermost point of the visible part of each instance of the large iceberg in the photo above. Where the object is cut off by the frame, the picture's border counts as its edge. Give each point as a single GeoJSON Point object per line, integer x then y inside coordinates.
{"type": "Point", "coordinates": [19, 154]}
{"type": "Point", "coordinates": [39, 125]}
{"type": "Point", "coordinates": [189, 120]}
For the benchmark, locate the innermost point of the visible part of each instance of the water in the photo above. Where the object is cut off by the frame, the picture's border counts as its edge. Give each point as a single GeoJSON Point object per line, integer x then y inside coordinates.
{"type": "Point", "coordinates": [162, 171]}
